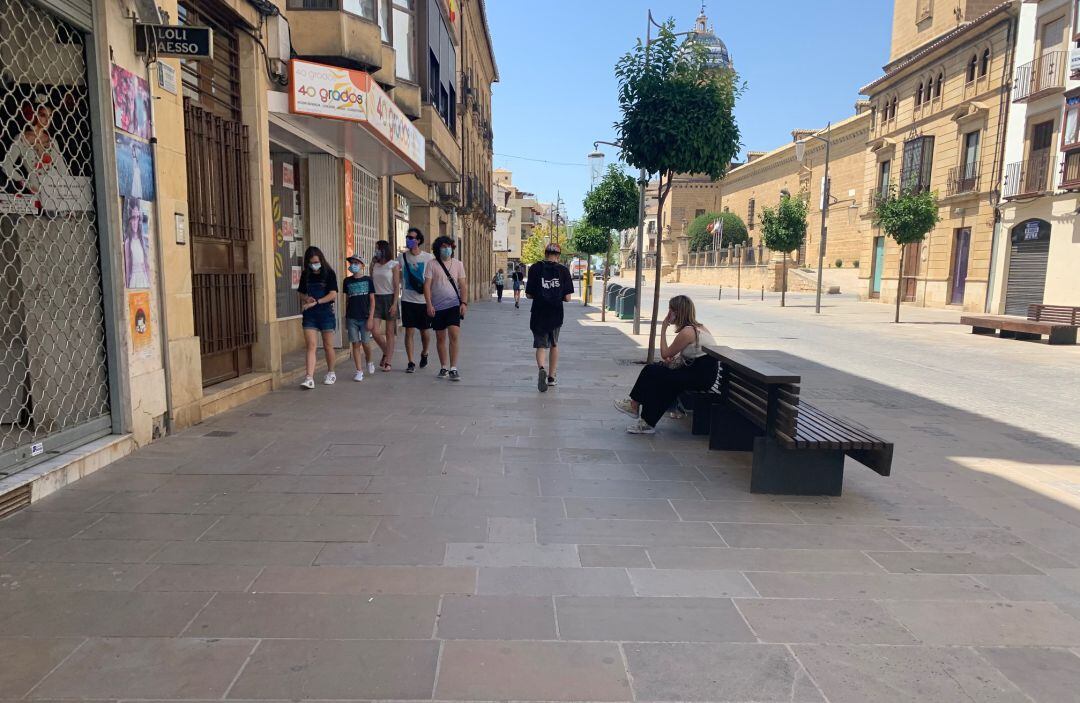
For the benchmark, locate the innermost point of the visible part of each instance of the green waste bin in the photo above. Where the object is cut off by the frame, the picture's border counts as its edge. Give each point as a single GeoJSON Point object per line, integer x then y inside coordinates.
{"type": "Point", "coordinates": [612, 293]}
{"type": "Point", "coordinates": [624, 305]}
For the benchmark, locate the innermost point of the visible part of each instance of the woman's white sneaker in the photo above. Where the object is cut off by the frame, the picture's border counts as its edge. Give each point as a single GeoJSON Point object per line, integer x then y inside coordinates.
{"type": "Point", "coordinates": [330, 379]}
{"type": "Point", "coordinates": [358, 376]}
{"type": "Point", "coordinates": [308, 383]}
{"type": "Point", "coordinates": [641, 427]}
{"type": "Point", "coordinates": [626, 406]}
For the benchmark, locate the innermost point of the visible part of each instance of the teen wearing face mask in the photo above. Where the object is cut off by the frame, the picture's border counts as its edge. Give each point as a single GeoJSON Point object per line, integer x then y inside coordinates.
{"type": "Point", "coordinates": [318, 291]}
{"type": "Point", "coordinates": [359, 314]}
{"type": "Point", "coordinates": [386, 273]}
{"type": "Point", "coordinates": [413, 306]}
{"type": "Point", "coordinates": [444, 291]}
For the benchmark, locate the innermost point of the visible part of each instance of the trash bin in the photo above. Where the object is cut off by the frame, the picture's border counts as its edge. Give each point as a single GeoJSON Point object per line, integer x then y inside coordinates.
{"type": "Point", "coordinates": [624, 305]}
{"type": "Point", "coordinates": [612, 293]}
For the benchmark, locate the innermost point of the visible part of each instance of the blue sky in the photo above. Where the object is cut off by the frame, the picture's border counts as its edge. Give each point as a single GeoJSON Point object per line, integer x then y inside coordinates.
{"type": "Point", "coordinates": [803, 64]}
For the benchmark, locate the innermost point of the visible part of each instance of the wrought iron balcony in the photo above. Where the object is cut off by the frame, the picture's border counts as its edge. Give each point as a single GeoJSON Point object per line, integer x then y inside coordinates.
{"type": "Point", "coordinates": [1041, 76]}
{"type": "Point", "coordinates": [963, 179]}
{"type": "Point", "coordinates": [875, 195]}
{"type": "Point", "coordinates": [1027, 178]}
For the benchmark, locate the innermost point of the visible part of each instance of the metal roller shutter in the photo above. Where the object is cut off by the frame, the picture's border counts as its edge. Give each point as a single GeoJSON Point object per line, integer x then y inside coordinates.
{"type": "Point", "coordinates": [1027, 276]}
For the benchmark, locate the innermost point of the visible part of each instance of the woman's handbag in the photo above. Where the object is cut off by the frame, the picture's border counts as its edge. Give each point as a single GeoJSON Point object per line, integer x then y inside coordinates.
{"type": "Point", "coordinates": [680, 361]}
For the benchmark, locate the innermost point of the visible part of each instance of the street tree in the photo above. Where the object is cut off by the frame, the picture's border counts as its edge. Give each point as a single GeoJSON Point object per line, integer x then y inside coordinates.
{"type": "Point", "coordinates": [906, 216]}
{"type": "Point", "coordinates": [589, 240]}
{"type": "Point", "coordinates": [701, 239]}
{"type": "Point", "coordinates": [784, 230]}
{"type": "Point", "coordinates": [677, 117]}
{"type": "Point", "coordinates": [532, 250]}
{"type": "Point", "coordinates": [612, 206]}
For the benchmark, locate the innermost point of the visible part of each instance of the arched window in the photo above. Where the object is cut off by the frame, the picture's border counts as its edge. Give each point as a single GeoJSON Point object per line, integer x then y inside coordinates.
{"type": "Point", "coordinates": [940, 83]}
{"type": "Point", "coordinates": [984, 66]}
{"type": "Point", "coordinates": [919, 95]}
{"type": "Point", "coordinates": [892, 109]}
{"type": "Point", "coordinates": [972, 66]}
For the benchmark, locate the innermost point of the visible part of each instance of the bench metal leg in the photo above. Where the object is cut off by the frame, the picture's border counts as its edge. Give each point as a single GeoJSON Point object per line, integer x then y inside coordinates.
{"type": "Point", "coordinates": [803, 472]}
{"type": "Point", "coordinates": [703, 403]}
{"type": "Point", "coordinates": [730, 431]}
{"type": "Point", "coordinates": [983, 330]}
{"type": "Point", "coordinates": [1064, 335]}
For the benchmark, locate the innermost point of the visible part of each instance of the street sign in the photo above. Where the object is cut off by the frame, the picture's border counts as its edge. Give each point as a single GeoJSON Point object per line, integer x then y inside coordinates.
{"type": "Point", "coordinates": [174, 41]}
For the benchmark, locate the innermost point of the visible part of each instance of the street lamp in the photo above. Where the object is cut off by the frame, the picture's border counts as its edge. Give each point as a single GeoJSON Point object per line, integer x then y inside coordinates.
{"type": "Point", "coordinates": [800, 154]}
{"type": "Point", "coordinates": [596, 167]}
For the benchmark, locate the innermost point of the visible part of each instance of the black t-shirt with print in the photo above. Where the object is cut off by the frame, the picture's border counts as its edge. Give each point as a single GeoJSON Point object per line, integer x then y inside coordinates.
{"type": "Point", "coordinates": [358, 291]}
{"type": "Point", "coordinates": [317, 285]}
{"type": "Point", "coordinates": [548, 284]}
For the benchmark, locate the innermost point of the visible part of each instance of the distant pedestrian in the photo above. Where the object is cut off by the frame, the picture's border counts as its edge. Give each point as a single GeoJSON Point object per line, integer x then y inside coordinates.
{"type": "Point", "coordinates": [386, 273]}
{"type": "Point", "coordinates": [444, 286]}
{"type": "Point", "coordinates": [413, 305]}
{"type": "Point", "coordinates": [359, 292]}
{"type": "Point", "coordinates": [499, 282]}
{"type": "Point", "coordinates": [684, 367]}
{"type": "Point", "coordinates": [516, 278]}
{"type": "Point", "coordinates": [318, 291]}
{"type": "Point", "coordinates": [549, 286]}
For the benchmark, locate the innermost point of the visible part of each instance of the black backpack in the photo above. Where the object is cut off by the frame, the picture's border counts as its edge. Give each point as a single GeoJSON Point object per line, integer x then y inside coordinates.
{"type": "Point", "coordinates": [551, 294]}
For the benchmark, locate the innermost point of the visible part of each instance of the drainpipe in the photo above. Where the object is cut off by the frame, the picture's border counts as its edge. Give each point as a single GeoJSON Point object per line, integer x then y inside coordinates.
{"type": "Point", "coordinates": [1003, 122]}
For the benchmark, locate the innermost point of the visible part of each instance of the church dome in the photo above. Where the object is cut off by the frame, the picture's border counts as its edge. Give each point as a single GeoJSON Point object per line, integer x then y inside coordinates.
{"type": "Point", "coordinates": [718, 52]}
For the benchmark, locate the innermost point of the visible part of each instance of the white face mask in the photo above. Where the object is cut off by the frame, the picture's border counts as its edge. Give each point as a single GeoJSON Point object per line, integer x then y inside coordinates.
{"type": "Point", "coordinates": [315, 266]}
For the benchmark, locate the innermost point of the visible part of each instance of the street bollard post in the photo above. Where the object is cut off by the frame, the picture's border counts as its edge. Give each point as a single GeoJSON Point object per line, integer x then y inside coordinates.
{"type": "Point", "coordinates": [763, 293]}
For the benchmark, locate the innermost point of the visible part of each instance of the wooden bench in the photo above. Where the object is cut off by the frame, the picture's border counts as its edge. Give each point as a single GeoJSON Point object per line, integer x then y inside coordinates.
{"type": "Point", "coordinates": [798, 448]}
{"type": "Point", "coordinates": [1058, 322]}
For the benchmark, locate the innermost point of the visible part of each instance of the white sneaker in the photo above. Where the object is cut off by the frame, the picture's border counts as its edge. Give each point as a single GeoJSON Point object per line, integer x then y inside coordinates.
{"type": "Point", "coordinates": [371, 367]}
{"type": "Point", "coordinates": [358, 376]}
{"type": "Point", "coordinates": [330, 378]}
{"type": "Point", "coordinates": [308, 383]}
{"type": "Point", "coordinates": [626, 407]}
{"type": "Point", "coordinates": [641, 427]}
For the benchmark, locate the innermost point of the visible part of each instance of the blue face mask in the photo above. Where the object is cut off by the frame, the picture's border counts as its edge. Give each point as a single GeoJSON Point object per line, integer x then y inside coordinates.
{"type": "Point", "coordinates": [354, 268]}
{"type": "Point", "coordinates": [447, 252]}
{"type": "Point", "coordinates": [410, 242]}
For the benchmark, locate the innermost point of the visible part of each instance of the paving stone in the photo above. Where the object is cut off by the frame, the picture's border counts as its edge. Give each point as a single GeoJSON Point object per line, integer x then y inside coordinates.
{"type": "Point", "coordinates": [588, 456]}
{"type": "Point", "coordinates": [28, 661]}
{"type": "Point", "coordinates": [321, 485]}
{"type": "Point", "coordinates": [97, 613]}
{"type": "Point", "coordinates": [646, 533]}
{"type": "Point", "coordinates": [620, 508]}
{"type": "Point", "coordinates": [857, 674]}
{"type": "Point", "coordinates": [209, 484]}
{"type": "Point", "coordinates": [505, 506]}
{"type": "Point", "coordinates": [645, 457]}
{"type": "Point", "coordinates": [238, 553]}
{"type": "Point", "coordinates": [445, 528]}
{"type": "Point", "coordinates": [511, 530]}
{"type": "Point", "coordinates": [673, 473]}
{"type": "Point", "coordinates": [165, 502]}
{"type": "Point", "coordinates": [505, 555]}
{"type": "Point", "coordinates": [535, 581]}
{"type": "Point", "coordinates": [431, 485]}
{"type": "Point", "coordinates": [1045, 675]}
{"type": "Point", "coordinates": [951, 563]}
{"type": "Point", "coordinates": [644, 490]}
{"type": "Point", "coordinates": [1022, 587]}
{"type": "Point", "coordinates": [91, 551]}
{"type": "Point", "coordinates": [602, 555]}
{"type": "Point", "coordinates": [734, 511]}
{"type": "Point", "coordinates": [684, 583]}
{"type": "Point", "coordinates": [316, 616]}
{"type": "Point", "coordinates": [153, 527]}
{"type": "Point", "coordinates": [888, 514]}
{"type": "Point", "coordinates": [299, 669]}
{"type": "Point", "coordinates": [825, 621]}
{"type": "Point", "coordinates": [497, 618]}
{"type": "Point", "coordinates": [38, 576]}
{"type": "Point", "coordinates": [262, 504]}
{"type": "Point", "coordinates": [988, 541]}
{"type": "Point", "coordinates": [718, 672]}
{"type": "Point", "coordinates": [395, 554]}
{"type": "Point", "coordinates": [989, 623]}
{"type": "Point", "coordinates": [32, 525]}
{"type": "Point", "coordinates": [294, 528]}
{"type": "Point", "coordinates": [200, 577]}
{"type": "Point", "coordinates": [651, 620]}
{"type": "Point", "coordinates": [607, 472]}
{"type": "Point", "coordinates": [509, 486]}
{"type": "Point", "coordinates": [148, 669]}
{"type": "Point", "coordinates": [870, 586]}
{"type": "Point", "coordinates": [366, 580]}
{"type": "Point", "coordinates": [382, 504]}
{"type": "Point", "coordinates": [70, 501]}
{"type": "Point", "coordinates": [807, 537]}
{"type": "Point", "coordinates": [549, 671]}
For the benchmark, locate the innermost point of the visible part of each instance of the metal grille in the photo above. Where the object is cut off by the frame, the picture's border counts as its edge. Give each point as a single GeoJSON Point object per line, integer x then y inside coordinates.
{"type": "Point", "coordinates": [53, 374]}
{"type": "Point", "coordinates": [1026, 281]}
{"type": "Point", "coordinates": [365, 224]}
{"type": "Point", "coordinates": [215, 85]}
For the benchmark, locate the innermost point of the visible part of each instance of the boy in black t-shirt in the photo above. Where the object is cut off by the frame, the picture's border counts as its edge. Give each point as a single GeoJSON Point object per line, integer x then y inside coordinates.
{"type": "Point", "coordinates": [549, 286]}
{"type": "Point", "coordinates": [359, 290]}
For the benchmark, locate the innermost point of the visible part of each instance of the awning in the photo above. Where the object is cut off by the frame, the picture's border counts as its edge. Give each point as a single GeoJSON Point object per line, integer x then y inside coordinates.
{"type": "Point", "coordinates": [345, 112]}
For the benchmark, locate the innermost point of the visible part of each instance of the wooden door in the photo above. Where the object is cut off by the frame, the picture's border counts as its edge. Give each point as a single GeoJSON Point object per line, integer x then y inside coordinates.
{"type": "Point", "coordinates": [958, 273]}
{"type": "Point", "coordinates": [911, 272]}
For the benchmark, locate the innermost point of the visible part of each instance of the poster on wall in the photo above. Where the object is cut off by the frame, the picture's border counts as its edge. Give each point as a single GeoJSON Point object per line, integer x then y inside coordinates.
{"type": "Point", "coordinates": [139, 321]}
{"type": "Point", "coordinates": [295, 279]}
{"type": "Point", "coordinates": [134, 168]}
{"type": "Point", "coordinates": [136, 218]}
{"type": "Point", "coordinates": [287, 231]}
{"type": "Point", "coordinates": [131, 102]}
{"type": "Point", "coordinates": [288, 178]}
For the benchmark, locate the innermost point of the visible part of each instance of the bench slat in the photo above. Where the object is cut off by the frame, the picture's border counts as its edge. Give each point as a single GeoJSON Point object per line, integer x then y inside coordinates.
{"type": "Point", "coordinates": [756, 369]}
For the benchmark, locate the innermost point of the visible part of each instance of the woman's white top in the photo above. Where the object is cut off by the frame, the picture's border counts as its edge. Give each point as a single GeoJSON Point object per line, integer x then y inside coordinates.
{"type": "Point", "coordinates": [695, 350]}
{"type": "Point", "coordinates": [383, 276]}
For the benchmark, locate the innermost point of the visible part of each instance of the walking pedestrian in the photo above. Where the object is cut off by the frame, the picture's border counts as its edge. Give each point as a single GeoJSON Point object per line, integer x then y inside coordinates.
{"type": "Point", "coordinates": [359, 292]}
{"type": "Point", "coordinates": [444, 287]}
{"type": "Point", "coordinates": [413, 305]}
{"type": "Point", "coordinates": [499, 282]}
{"type": "Point", "coordinates": [318, 291]}
{"type": "Point", "coordinates": [550, 285]}
{"type": "Point", "coordinates": [516, 278]}
{"type": "Point", "coordinates": [386, 273]}
{"type": "Point", "coordinates": [684, 367]}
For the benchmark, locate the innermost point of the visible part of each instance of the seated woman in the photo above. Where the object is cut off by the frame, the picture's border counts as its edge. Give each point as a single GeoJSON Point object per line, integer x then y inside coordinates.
{"type": "Point", "coordinates": [685, 367]}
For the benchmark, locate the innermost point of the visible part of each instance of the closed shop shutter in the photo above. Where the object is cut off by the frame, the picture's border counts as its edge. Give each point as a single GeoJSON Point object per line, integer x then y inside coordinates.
{"type": "Point", "coordinates": [1027, 276]}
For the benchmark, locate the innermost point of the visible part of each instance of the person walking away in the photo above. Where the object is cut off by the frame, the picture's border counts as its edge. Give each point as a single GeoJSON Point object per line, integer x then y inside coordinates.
{"type": "Point", "coordinates": [318, 291]}
{"type": "Point", "coordinates": [386, 273]}
{"type": "Point", "coordinates": [500, 283]}
{"type": "Point", "coordinates": [516, 280]}
{"type": "Point", "coordinates": [413, 305]}
{"type": "Point", "coordinates": [359, 292]}
{"type": "Point", "coordinates": [444, 284]}
{"type": "Point", "coordinates": [550, 285]}
{"type": "Point", "coordinates": [685, 367]}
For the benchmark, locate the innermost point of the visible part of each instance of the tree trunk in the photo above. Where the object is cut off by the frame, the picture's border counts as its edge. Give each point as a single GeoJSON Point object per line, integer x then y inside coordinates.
{"type": "Point", "coordinates": [900, 282]}
{"type": "Point", "coordinates": [783, 284]}
{"type": "Point", "coordinates": [661, 197]}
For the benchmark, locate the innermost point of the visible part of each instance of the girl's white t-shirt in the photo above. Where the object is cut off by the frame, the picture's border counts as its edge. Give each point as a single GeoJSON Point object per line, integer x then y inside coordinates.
{"type": "Point", "coordinates": [383, 276]}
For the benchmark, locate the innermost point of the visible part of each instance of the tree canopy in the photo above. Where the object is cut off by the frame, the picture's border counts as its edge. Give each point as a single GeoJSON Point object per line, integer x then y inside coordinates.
{"type": "Point", "coordinates": [613, 203]}
{"type": "Point", "coordinates": [907, 216]}
{"type": "Point", "coordinates": [701, 238]}
{"type": "Point", "coordinates": [589, 239]}
{"type": "Point", "coordinates": [532, 249]}
{"type": "Point", "coordinates": [783, 228]}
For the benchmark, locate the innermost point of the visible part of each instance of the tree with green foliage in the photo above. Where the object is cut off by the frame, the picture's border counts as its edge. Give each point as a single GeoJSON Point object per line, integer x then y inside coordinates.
{"type": "Point", "coordinates": [701, 239]}
{"type": "Point", "coordinates": [677, 117]}
{"type": "Point", "coordinates": [532, 250]}
{"type": "Point", "coordinates": [612, 206]}
{"type": "Point", "coordinates": [783, 229]}
{"type": "Point", "coordinates": [589, 240]}
{"type": "Point", "coordinates": [906, 216]}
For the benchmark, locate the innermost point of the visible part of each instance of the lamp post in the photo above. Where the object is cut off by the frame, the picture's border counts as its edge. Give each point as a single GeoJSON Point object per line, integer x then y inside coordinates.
{"type": "Point", "coordinates": [800, 154]}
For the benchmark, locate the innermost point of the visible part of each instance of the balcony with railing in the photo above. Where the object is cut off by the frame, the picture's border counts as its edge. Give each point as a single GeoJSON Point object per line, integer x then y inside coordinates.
{"type": "Point", "coordinates": [963, 179]}
{"type": "Point", "coordinates": [1042, 76]}
{"type": "Point", "coordinates": [344, 33]}
{"type": "Point", "coordinates": [875, 195]}
{"type": "Point", "coordinates": [1070, 170]}
{"type": "Point", "coordinates": [1029, 178]}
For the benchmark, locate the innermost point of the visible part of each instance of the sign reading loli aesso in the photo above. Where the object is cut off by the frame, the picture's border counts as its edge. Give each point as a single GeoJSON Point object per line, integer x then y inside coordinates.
{"type": "Point", "coordinates": [174, 41]}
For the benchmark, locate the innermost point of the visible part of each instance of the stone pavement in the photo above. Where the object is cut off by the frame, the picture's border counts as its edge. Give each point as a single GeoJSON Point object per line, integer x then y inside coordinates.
{"type": "Point", "coordinates": [405, 538]}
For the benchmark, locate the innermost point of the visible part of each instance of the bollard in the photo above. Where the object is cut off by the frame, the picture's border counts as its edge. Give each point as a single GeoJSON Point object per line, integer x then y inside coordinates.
{"type": "Point", "coordinates": [720, 293]}
{"type": "Point", "coordinates": [763, 293]}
